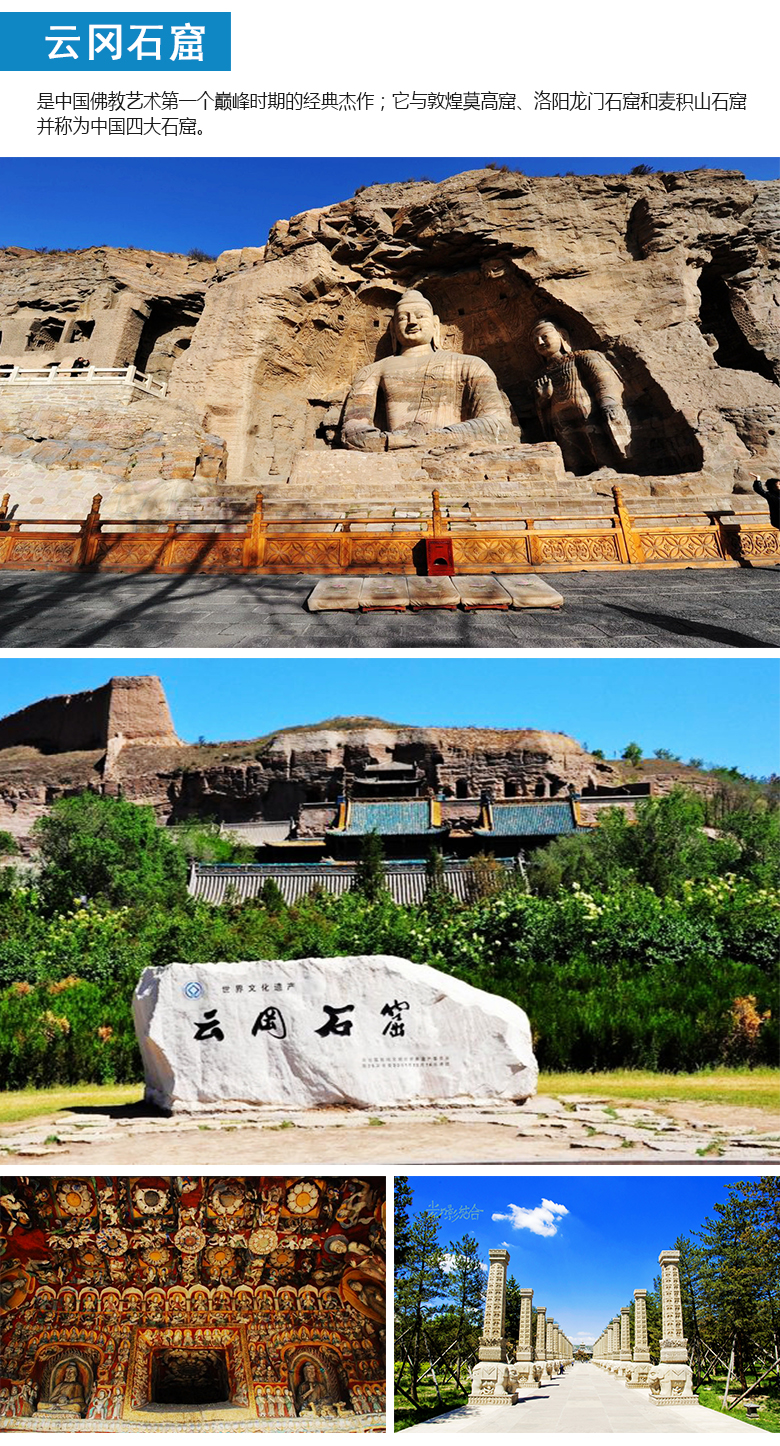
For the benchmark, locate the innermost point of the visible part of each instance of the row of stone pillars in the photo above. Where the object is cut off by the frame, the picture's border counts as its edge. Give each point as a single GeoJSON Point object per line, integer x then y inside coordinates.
{"type": "Point", "coordinates": [496, 1378]}
{"type": "Point", "coordinates": [671, 1381]}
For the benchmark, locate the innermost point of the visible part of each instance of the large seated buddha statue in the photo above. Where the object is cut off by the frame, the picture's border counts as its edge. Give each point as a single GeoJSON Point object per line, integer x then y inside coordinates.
{"type": "Point", "coordinates": [422, 396]}
{"type": "Point", "coordinates": [67, 1395]}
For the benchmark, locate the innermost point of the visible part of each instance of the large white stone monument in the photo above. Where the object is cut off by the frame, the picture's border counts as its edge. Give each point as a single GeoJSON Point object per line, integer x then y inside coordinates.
{"type": "Point", "coordinates": [365, 1031]}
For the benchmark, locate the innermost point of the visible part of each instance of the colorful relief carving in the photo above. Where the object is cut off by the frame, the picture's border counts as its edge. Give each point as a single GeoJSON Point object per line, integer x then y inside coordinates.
{"type": "Point", "coordinates": [193, 1296]}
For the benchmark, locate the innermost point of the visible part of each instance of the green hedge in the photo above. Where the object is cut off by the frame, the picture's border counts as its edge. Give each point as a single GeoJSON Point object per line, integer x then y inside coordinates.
{"type": "Point", "coordinates": [621, 979]}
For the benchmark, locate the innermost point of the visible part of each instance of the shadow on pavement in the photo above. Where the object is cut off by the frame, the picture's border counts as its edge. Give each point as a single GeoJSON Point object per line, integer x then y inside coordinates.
{"type": "Point", "coordinates": [136, 1110]}
{"type": "Point", "coordinates": [727, 636]}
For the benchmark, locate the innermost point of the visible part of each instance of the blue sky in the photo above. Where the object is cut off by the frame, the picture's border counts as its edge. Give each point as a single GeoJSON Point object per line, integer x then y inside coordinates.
{"type": "Point", "coordinates": [222, 203]}
{"type": "Point", "coordinates": [602, 1239]}
{"type": "Point", "coordinates": [721, 710]}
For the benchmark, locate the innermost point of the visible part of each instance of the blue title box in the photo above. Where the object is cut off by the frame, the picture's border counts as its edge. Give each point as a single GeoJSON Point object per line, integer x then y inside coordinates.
{"type": "Point", "coordinates": [107, 40]}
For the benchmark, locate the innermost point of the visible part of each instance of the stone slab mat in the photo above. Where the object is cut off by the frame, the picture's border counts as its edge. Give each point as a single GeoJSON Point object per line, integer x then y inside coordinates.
{"type": "Point", "coordinates": [529, 591]}
{"type": "Point", "coordinates": [336, 594]}
{"type": "Point", "coordinates": [432, 592]}
{"type": "Point", "coordinates": [384, 594]}
{"type": "Point", "coordinates": [481, 592]}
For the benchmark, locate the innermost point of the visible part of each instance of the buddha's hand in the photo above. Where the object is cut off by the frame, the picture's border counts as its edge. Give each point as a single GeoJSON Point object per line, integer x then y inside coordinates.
{"type": "Point", "coordinates": [543, 388]}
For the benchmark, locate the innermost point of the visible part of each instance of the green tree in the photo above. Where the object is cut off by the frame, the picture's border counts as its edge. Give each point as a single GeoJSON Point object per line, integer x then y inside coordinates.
{"type": "Point", "coordinates": [107, 848]}
{"type": "Point", "coordinates": [434, 874]}
{"type": "Point", "coordinates": [418, 1284]}
{"type": "Point", "coordinates": [487, 877]}
{"type": "Point", "coordinates": [203, 840]}
{"type": "Point", "coordinates": [665, 846]}
{"type": "Point", "coordinates": [512, 1322]}
{"type": "Point", "coordinates": [370, 871]}
{"type": "Point", "coordinates": [8, 844]}
{"type": "Point", "coordinates": [668, 845]}
{"type": "Point", "coordinates": [401, 1222]}
{"type": "Point", "coordinates": [632, 753]}
{"type": "Point", "coordinates": [756, 833]}
{"type": "Point", "coordinates": [739, 1279]}
{"type": "Point", "coordinates": [465, 1279]}
{"type": "Point", "coordinates": [272, 897]}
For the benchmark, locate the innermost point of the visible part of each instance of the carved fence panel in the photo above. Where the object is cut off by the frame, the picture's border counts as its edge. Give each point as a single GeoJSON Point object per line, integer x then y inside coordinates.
{"type": "Point", "coordinates": [383, 544]}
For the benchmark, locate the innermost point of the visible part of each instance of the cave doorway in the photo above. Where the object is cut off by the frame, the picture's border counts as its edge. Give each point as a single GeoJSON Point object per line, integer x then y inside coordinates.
{"type": "Point", "coordinates": [189, 1377]}
{"type": "Point", "coordinates": [717, 319]}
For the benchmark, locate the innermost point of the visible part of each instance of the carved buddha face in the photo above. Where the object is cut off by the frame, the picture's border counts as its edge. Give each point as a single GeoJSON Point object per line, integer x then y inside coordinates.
{"type": "Point", "coordinates": [414, 323]}
{"type": "Point", "coordinates": [548, 342]}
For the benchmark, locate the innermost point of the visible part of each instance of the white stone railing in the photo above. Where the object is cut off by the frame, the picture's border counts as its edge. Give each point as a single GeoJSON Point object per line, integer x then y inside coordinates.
{"type": "Point", "coordinates": [104, 376]}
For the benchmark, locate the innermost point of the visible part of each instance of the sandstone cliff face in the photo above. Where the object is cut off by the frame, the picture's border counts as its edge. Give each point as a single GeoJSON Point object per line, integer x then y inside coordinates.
{"type": "Point", "coordinates": [674, 277]}
{"type": "Point", "coordinates": [63, 441]}
{"type": "Point", "coordinates": [113, 306]}
{"type": "Point", "coordinates": [122, 710]}
{"type": "Point", "coordinates": [141, 758]}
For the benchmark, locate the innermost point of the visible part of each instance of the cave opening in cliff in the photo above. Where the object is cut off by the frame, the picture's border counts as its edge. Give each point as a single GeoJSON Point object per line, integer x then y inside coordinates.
{"type": "Point", "coordinates": [45, 334]}
{"type": "Point", "coordinates": [189, 1378]}
{"type": "Point", "coordinates": [717, 319]}
{"type": "Point", "coordinates": [166, 334]}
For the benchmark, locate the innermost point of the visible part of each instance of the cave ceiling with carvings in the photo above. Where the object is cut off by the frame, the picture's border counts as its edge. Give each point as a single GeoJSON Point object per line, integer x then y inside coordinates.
{"type": "Point", "coordinates": [214, 1231]}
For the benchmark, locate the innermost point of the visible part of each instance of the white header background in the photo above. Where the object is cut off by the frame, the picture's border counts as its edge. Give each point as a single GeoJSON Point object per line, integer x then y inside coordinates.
{"type": "Point", "coordinates": [591, 45]}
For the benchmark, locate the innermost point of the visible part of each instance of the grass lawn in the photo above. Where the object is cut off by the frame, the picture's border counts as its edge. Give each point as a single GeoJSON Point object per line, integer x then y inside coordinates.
{"type": "Point", "coordinates": [766, 1397]}
{"type": "Point", "coordinates": [16, 1105]}
{"type": "Point", "coordinates": [430, 1405]}
{"type": "Point", "coordinates": [759, 1088]}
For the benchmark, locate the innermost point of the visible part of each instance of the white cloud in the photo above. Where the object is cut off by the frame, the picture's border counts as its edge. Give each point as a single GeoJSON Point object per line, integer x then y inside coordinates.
{"type": "Point", "coordinates": [448, 1263]}
{"type": "Point", "coordinates": [542, 1220]}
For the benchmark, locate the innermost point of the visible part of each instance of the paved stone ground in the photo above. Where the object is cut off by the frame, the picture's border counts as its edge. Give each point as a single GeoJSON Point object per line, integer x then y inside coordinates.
{"type": "Point", "coordinates": [572, 1130]}
{"type": "Point", "coordinates": [732, 608]}
{"type": "Point", "coordinates": [584, 1401]}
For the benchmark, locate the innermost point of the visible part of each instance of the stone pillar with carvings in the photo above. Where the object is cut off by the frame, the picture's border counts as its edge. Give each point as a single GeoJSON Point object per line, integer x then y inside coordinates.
{"type": "Point", "coordinates": [540, 1358]}
{"type": "Point", "coordinates": [550, 1349]}
{"type": "Point", "coordinates": [636, 1377]}
{"type": "Point", "coordinates": [671, 1382]}
{"type": "Point", "coordinates": [492, 1383]}
{"type": "Point", "coordinates": [615, 1353]}
{"type": "Point", "coordinates": [525, 1349]}
{"type": "Point", "coordinates": [625, 1339]}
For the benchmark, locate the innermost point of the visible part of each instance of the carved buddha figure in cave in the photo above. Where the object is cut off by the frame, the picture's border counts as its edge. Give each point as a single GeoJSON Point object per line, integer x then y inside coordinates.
{"type": "Point", "coordinates": [579, 399]}
{"type": "Point", "coordinates": [422, 396]}
{"type": "Point", "coordinates": [68, 1394]}
{"type": "Point", "coordinates": [313, 1393]}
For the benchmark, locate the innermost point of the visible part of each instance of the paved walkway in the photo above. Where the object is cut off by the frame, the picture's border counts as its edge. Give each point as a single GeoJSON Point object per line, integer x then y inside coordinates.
{"type": "Point", "coordinates": [691, 609]}
{"type": "Point", "coordinates": [585, 1401]}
